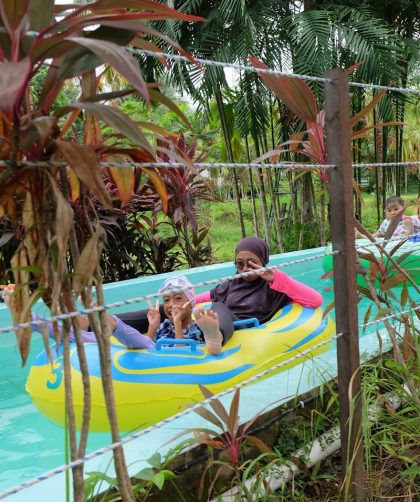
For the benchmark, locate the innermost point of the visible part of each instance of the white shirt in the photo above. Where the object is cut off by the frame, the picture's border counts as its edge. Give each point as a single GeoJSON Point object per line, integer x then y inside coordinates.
{"type": "Point", "coordinates": [400, 230]}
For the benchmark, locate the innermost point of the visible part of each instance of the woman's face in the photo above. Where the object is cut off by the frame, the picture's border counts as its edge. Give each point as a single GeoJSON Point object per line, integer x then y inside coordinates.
{"type": "Point", "coordinates": [243, 263]}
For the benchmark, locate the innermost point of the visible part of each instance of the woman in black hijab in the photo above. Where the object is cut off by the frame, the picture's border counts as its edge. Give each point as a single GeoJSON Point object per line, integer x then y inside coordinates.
{"type": "Point", "coordinates": [258, 295]}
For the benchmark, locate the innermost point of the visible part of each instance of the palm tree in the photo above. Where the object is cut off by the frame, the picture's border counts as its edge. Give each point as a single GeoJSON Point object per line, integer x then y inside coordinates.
{"type": "Point", "coordinates": [305, 37]}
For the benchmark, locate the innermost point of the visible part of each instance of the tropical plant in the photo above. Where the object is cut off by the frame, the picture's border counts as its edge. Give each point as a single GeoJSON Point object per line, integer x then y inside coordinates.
{"type": "Point", "coordinates": [154, 476]}
{"type": "Point", "coordinates": [305, 37]}
{"type": "Point", "coordinates": [72, 41]}
{"type": "Point", "coordinates": [230, 440]}
{"type": "Point", "coordinates": [301, 101]}
{"type": "Point", "coordinates": [185, 187]}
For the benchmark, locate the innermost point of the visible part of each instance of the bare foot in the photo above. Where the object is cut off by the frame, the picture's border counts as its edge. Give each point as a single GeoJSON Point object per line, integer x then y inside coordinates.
{"type": "Point", "coordinates": [208, 322]}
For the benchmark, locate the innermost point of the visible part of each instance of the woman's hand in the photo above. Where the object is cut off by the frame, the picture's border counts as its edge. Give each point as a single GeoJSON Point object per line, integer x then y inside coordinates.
{"type": "Point", "coordinates": [267, 275]}
{"type": "Point", "coordinates": [153, 315]}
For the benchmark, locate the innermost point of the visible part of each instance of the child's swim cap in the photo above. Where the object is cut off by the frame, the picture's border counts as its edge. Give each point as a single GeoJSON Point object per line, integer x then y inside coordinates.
{"type": "Point", "coordinates": [176, 283]}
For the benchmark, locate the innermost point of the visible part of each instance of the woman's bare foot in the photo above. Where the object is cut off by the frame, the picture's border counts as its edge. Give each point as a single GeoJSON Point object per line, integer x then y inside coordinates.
{"type": "Point", "coordinates": [208, 321]}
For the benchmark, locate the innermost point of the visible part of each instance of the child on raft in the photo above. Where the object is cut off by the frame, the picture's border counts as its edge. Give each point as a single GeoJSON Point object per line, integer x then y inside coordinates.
{"type": "Point", "coordinates": [177, 307]}
{"type": "Point", "coordinates": [258, 295]}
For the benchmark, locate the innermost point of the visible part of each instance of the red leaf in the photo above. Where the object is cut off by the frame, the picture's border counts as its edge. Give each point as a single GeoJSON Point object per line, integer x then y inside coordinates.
{"type": "Point", "coordinates": [84, 163]}
{"type": "Point", "coordinates": [354, 67]}
{"type": "Point", "coordinates": [118, 58]}
{"type": "Point", "coordinates": [12, 13]}
{"type": "Point", "coordinates": [364, 111]}
{"type": "Point", "coordinates": [124, 179]}
{"type": "Point", "coordinates": [295, 93]}
{"type": "Point", "coordinates": [13, 79]}
{"type": "Point", "coordinates": [114, 118]}
{"type": "Point", "coordinates": [41, 13]}
{"type": "Point", "coordinates": [159, 185]}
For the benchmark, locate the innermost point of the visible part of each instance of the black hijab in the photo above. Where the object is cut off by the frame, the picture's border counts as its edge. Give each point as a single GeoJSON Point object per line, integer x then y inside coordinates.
{"type": "Point", "coordinates": [255, 298]}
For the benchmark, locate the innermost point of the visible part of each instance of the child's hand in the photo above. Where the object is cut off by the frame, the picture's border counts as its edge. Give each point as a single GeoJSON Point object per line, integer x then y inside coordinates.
{"type": "Point", "coordinates": [408, 225]}
{"type": "Point", "coordinates": [153, 315]}
{"type": "Point", "coordinates": [7, 292]}
{"type": "Point", "coordinates": [179, 312]}
{"type": "Point", "coordinates": [267, 275]}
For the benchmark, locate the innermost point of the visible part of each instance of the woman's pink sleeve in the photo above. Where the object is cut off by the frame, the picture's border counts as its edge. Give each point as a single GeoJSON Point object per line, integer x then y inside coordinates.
{"type": "Point", "coordinates": [202, 297]}
{"type": "Point", "coordinates": [297, 291]}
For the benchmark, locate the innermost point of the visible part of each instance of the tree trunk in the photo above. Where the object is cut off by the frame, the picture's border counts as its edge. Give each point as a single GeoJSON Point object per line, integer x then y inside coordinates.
{"type": "Point", "coordinates": [263, 197]}
{"type": "Point", "coordinates": [323, 220]}
{"type": "Point", "coordinates": [226, 135]}
{"type": "Point", "coordinates": [71, 307]}
{"type": "Point", "coordinates": [102, 335]}
{"type": "Point", "coordinates": [307, 212]}
{"type": "Point", "coordinates": [378, 172]}
{"type": "Point", "coordinates": [260, 178]}
{"type": "Point", "coordinates": [384, 159]}
{"type": "Point", "coordinates": [78, 480]}
{"type": "Point", "coordinates": [275, 211]}
{"type": "Point", "coordinates": [251, 184]}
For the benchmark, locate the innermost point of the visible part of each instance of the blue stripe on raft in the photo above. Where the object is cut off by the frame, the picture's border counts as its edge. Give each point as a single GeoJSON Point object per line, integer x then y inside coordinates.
{"type": "Point", "coordinates": [285, 310]}
{"type": "Point", "coordinates": [304, 316]}
{"type": "Point", "coordinates": [161, 378]}
{"type": "Point", "coordinates": [42, 358]}
{"type": "Point", "coordinates": [312, 335]}
{"type": "Point", "coordinates": [181, 378]}
{"type": "Point", "coordinates": [162, 359]}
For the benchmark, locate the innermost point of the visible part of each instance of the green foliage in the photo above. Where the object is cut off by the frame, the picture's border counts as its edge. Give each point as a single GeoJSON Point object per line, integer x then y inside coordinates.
{"type": "Point", "coordinates": [291, 233]}
{"type": "Point", "coordinates": [100, 487]}
{"type": "Point", "coordinates": [228, 438]}
{"type": "Point", "coordinates": [68, 94]}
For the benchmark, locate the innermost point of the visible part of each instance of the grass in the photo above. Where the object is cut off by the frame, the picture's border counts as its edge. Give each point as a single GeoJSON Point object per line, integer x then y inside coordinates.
{"type": "Point", "coordinates": [225, 232]}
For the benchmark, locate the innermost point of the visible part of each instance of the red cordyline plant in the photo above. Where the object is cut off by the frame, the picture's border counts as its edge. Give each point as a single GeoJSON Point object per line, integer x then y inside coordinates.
{"type": "Point", "coordinates": [230, 439]}
{"type": "Point", "coordinates": [184, 185]}
{"type": "Point", "coordinates": [301, 101]}
{"type": "Point", "coordinates": [72, 42]}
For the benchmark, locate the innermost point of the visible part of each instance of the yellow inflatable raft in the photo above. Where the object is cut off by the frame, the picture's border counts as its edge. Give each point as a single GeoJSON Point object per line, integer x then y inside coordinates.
{"type": "Point", "coordinates": [156, 383]}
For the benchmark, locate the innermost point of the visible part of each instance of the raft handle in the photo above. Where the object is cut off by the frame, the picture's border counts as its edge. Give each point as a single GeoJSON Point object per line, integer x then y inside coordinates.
{"type": "Point", "coordinates": [174, 341]}
{"type": "Point", "coordinates": [252, 322]}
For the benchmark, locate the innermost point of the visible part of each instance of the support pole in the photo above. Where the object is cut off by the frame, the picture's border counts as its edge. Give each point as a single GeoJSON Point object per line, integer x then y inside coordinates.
{"type": "Point", "coordinates": [342, 229]}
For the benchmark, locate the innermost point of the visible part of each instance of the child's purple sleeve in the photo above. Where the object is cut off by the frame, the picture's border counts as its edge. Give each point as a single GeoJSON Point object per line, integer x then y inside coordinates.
{"type": "Point", "coordinates": [297, 291]}
{"type": "Point", "coordinates": [131, 337]}
{"type": "Point", "coordinates": [123, 333]}
{"type": "Point", "coordinates": [87, 336]}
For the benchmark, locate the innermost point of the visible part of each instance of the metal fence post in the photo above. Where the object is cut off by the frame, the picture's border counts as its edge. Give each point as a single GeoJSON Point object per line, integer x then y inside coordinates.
{"type": "Point", "coordinates": [338, 136]}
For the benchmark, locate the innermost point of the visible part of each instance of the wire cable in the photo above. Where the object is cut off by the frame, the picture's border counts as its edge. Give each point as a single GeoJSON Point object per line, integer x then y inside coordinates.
{"type": "Point", "coordinates": [120, 303]}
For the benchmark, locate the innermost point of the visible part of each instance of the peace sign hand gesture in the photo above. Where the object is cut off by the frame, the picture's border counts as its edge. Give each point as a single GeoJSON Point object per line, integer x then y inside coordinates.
{"type": "Point", "coordinates": [153, 315]}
